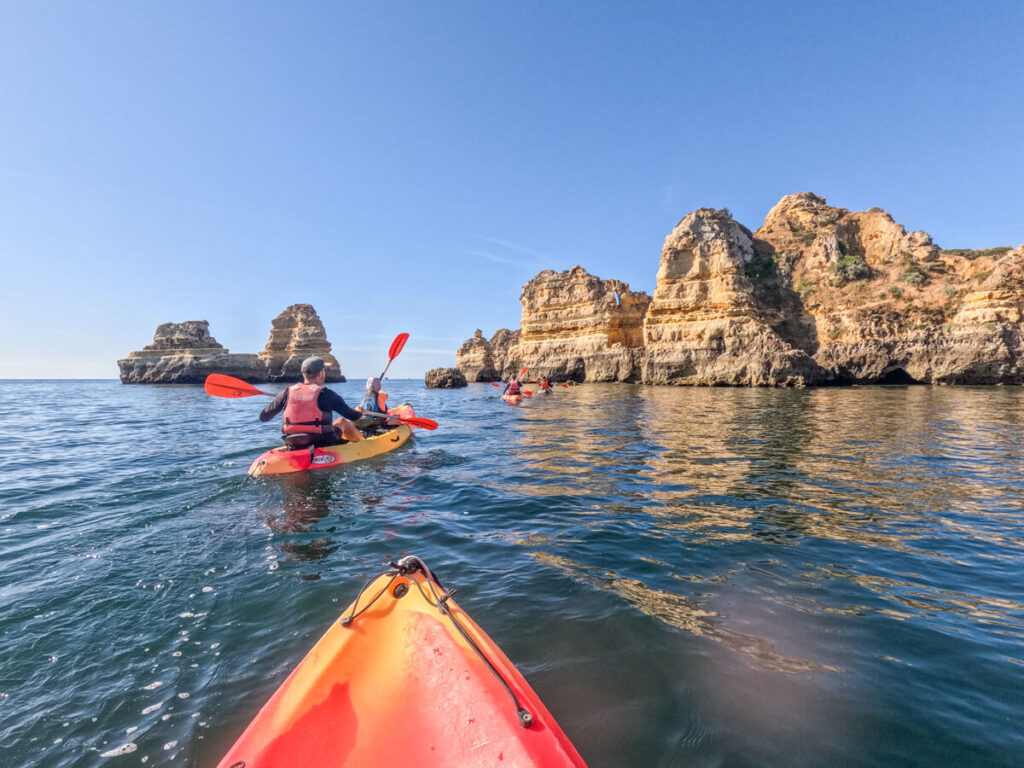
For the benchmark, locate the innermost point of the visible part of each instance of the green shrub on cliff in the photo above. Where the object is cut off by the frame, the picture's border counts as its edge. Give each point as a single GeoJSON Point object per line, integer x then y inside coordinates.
{"type": "Point", "coordinates": [967, 253]}
{"type": "Point", "coordinates": [914, 275]}
{"type": "Point", "coordinates": [851, 267]}
{"type": "Point", "coordinates": [759, 267]}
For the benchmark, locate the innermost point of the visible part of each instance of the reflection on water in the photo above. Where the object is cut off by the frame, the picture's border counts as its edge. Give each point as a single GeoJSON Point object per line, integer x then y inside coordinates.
{"type": "Point", "coordinates": [306, 498]}
{"type": "Point", "coordinates": [857, 481]}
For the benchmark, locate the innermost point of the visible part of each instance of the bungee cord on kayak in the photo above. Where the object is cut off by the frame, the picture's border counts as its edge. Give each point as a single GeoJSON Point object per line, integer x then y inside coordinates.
{"type": "Point", "coordinates": [409, 565]}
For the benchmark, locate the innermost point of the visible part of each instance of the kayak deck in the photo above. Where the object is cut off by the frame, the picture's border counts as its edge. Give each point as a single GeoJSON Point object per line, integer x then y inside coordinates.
{"type": "Point", "coordinates": [282, 460]}
{"type": "Point", "coordinates": [401, 685]}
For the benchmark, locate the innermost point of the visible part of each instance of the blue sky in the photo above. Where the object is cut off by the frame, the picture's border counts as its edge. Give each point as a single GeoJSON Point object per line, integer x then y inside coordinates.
{"type": "Point", "coordinates": [407, 166]}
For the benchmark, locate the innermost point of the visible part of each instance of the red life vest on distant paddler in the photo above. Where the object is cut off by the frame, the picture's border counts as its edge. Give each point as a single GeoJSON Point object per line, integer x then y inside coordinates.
{"type": "Point", "coordinates": [302, 416]}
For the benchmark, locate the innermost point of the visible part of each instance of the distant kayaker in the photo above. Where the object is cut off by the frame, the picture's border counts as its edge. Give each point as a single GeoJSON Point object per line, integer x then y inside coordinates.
{"type": "Point", "coordinates": [374, 400]}
{"type": "Point", "coordinates": [512, 388]}
{"type": "Point", "coordinates": [308, 406]}
{"type": "Point", "coordinates": [545, 385]}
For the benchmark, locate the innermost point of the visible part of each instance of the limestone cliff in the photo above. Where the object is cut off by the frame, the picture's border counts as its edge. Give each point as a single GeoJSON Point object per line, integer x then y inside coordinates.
{"type": "Point", "coordinates": [475, 359]}
{"type": "Point", "coordinates": [704, 325]}
{"type": "Point", "coordinates": [481, 359]}
{"type": "Point", "coordinates": [295, 334]}
{"type": "Point", "coordinates": [186, 353]}
{"type": "Point", "coordinates": [577, 326]}
{"type": "Point", "coordinates": [817, 295]}
{"type": "Point", "coordinates": [872, 302]}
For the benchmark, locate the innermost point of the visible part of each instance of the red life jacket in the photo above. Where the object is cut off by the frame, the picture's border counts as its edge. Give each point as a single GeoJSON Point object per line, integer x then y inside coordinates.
{"type": "Point", "coordinates": [513, 388]}
{"type": "Point", "coordinates": [302, 416]}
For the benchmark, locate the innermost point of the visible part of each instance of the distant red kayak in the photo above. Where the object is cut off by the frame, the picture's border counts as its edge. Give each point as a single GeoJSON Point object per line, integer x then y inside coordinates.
{"type": "Point", "coordinates": [398, 682]}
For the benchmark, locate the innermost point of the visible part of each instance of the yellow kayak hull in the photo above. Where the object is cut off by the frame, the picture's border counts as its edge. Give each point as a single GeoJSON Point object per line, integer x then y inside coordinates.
{"type": "Point", "coordinates": [282, 460]}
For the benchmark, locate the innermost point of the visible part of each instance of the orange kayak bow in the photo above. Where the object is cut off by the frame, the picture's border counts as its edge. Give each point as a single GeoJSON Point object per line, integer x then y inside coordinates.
{"type": "Point", "coordinates": [404, 678]}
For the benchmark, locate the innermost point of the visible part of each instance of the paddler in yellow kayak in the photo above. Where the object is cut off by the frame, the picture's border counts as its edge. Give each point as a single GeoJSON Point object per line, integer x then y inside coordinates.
{"type": "Point", "coordinates": [308, 407]}
{"type": "Point", "coordinates": [375, 401]}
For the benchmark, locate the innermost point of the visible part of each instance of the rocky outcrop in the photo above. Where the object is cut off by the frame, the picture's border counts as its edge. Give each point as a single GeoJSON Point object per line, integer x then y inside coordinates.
{"type": "Point", "coordinates": [186, 353]}
{"type": "Point", "coordinates": [504, 347]}
{"type": "Point", "coordinates": [704, 325]}
{"type": "Point", "coordinates": [817, 295]}
{"type": "Point", "coordinates": [475, 359]}
{"type": "Point", "coordinates": [296, 334]}
{"type": "Point", "coordinates": [873, 303]}
{"type": "Point", "coordinates": [444, 378]}
{"type": "Point", "coordinates": [577, 326]}
{"type": "Point", "coordinates": [481, 359]}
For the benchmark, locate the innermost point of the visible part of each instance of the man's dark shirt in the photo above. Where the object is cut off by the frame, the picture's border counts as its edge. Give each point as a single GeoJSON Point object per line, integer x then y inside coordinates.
{"type": "Point", "coordinates": [328, 400]}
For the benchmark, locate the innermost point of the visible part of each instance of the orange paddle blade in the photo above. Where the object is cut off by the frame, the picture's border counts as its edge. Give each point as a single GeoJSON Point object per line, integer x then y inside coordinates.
{"type": "Point", "coordinates": [397, 344]}
{"type": "Point", "coordinates": [527, 392]}
{"type": "Point", "coordinates": [565, 384]}
{"type": "Point", "coordinates": [523, 372]}
{"type": "Point", "coordinates": [416, 421]}
{"type": "Point", "coordinates": [495, 383]}
{"type": "Point", "coordinates": [220, 385]}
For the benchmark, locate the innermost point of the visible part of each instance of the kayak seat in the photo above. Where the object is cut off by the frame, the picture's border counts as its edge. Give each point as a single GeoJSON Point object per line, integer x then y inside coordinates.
{"type": "Point", "coordinates": [298, 442]}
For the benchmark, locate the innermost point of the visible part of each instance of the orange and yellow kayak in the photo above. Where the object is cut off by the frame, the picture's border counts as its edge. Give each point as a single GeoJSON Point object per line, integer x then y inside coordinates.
{"type": "Point", "coordinates": [282, 460]}
{"type": "Point", "coordinates": [403, 678]}
{"type": "Point", "coordinates": [512, 398]}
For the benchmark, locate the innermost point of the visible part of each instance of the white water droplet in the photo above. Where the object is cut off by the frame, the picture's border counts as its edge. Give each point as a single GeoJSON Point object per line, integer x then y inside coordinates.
{"type": "Point", "coordinates": [207, 589]}
{"type": "Point", "coordinates": [183, 695]}
{"type": "Point", "coordinates": [124, 749]}
{"type": "Point", "coordinates": [151, 708]}
{"type": "Point", "coordinates": [170, 745]}
{"type": "Point", "coordinates": [153, 686]}
{"type": "Point", "coordinates": [131, 729]}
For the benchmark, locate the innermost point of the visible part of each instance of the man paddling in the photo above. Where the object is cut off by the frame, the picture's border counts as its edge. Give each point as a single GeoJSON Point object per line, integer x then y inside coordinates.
{"type": "Point", "coordinates": [308, 406]}
{"type": "Point", "coordinates": [512, 388]}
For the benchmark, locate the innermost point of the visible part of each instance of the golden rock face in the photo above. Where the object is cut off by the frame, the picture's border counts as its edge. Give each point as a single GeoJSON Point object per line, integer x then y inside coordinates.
{"type": "Point", "coordinates": [295, 334]}
{"type": "Point", "coordinates": [185, 353]}
{"type": "Point", "coordinates": [817, 294]}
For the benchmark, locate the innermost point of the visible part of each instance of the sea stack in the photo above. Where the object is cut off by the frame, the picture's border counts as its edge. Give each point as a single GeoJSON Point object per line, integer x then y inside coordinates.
{"type": "Point", "coordinates": [295, 334]}
{"type": "Point", "coordinates": [186, 353]}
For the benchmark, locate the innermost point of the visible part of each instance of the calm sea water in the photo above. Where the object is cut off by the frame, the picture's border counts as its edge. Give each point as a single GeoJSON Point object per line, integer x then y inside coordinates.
{"type": "Point", "coordinates": [688, 577]}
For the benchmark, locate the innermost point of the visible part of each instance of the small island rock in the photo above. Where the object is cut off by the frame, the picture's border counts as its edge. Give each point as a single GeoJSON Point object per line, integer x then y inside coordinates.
{"type": "Point", "coordinates": [444, 378]}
